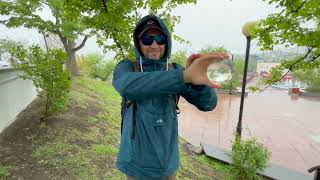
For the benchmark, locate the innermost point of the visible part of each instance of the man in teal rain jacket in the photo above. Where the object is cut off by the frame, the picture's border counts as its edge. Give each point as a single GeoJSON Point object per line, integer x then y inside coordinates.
{"type": "Point", "coordinates": [153, 152]}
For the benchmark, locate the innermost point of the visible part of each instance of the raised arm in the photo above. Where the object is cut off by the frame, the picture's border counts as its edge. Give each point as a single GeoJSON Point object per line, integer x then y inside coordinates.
{"type": "Point", "coordinates": [201, 96]}
{"type": "Point", "coordinates": [141, 85]}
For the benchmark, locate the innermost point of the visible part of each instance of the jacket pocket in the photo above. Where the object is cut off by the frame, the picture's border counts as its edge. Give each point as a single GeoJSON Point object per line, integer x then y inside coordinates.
{"type": "Point", "coordinates": [153, 142]}
{"type": "Point", "coordinates": [144, 154]}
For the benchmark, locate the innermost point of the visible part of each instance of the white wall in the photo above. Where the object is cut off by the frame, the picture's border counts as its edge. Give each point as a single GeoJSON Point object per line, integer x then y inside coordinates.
{"type": "Point", "coordinates": [15, 95]}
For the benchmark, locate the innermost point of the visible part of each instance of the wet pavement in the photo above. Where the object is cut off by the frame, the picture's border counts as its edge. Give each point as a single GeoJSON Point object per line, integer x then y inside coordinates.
{"type": "Point", "coordinates": [289, 125]}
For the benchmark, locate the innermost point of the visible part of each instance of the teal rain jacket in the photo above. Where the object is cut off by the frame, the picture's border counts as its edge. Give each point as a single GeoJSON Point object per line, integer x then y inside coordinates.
{"type": "Point", "coordinates": [154, 152]}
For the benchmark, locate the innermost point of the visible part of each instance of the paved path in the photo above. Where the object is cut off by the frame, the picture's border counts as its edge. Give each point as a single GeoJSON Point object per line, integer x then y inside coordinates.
{"type": "Point", "coordinates": [288, 125]}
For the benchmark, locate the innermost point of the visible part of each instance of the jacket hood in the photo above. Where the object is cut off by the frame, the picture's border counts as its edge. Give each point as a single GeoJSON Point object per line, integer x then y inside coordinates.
{"type": "Point", "coordinates": [164, 28]}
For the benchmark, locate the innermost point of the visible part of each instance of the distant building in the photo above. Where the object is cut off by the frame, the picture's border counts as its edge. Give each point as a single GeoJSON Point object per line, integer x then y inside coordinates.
{"type": "Point", "coordinates": [264, 67]}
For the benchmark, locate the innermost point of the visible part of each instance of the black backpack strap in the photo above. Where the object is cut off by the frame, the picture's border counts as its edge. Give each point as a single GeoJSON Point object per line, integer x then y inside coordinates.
{"type": "Point", "coordinates": [125, 104]}
{"type": "Point", "coordinates": [177, 102]}
{"type": "Point", "coordinates": [136, 67]}
{"type": "Point", "coordinates": [122, 113]}
{"type": "Point", "coordinates": [175, 66]}
{"type": "Point", "coordinates": [134, 121]}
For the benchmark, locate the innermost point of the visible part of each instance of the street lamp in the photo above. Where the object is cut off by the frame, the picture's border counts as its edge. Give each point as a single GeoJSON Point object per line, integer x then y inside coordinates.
{"type": "Point", "coordinates": [247, 32]}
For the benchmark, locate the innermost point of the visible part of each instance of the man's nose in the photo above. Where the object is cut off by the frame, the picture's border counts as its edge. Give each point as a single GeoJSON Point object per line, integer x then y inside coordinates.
{"type": "Point", "coordinates": [154, 44]}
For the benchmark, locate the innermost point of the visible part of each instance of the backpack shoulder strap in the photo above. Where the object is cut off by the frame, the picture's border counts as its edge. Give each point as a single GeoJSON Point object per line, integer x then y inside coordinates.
{"type": "Point", "coordinates": [125, 104]}
{"type": "Point", "coordinates": [172, 66]}
{"type": "Point", "coordinates": [136, 67]}
{"type": "Point", "coordinates": [175, 66]}
{"type": "Point", "coordinates": [177, 97]}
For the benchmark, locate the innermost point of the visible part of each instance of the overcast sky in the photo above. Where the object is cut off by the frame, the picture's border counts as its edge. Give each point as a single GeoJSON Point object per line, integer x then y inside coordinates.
{"type": "Point", "coordinates": [208, 23]}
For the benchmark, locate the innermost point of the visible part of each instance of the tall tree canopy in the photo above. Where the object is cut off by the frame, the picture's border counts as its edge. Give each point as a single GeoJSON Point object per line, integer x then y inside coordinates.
{"type": "Point", "coordinates": [296, 24]}
{"type": "Point", "coordinates": [111, 21]}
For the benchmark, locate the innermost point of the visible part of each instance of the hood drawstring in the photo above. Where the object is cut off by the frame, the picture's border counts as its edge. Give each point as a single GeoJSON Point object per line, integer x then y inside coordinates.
{"type": "Point", "coordinates": [167, 68]}
{"type": "Point", "coordinates": [141, 64]}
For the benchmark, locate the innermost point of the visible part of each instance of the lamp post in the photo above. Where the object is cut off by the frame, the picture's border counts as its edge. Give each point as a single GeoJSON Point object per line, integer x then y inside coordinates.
{"type": "Point", "coordinates": [247, 32]}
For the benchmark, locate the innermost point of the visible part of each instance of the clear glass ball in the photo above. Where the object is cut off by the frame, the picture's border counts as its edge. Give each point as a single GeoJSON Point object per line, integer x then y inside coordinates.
{"type": "Point", "coordinates": [221, 72]}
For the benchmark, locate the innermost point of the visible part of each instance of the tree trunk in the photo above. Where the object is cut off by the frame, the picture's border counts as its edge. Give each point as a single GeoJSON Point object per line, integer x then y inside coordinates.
{"type": "Point", "coordinates": [72, 63]}
{"type": "Point", "coordinates": [71, 49]}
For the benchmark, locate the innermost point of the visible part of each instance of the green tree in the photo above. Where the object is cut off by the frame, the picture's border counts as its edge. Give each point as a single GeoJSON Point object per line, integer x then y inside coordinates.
{"type": "Point", "coordinates": [239, 66]}
{"type": "Point", "coordinates": [92, 63]}
{"type": "Point", "coordinates": [46, 71]}
{"type": "Point", "coordinates": [108, 70]}
{"type": "Point", "coordinates": [67, 22]}
{"type": "Point", "coordinates": [179, 57]}
{"type": "Point", "coordinates": [6, 45]}
{"type": "Point", "coordinates": [297, 23]}
{"type": "Point", "coordinates": [94, 66]}
{"type": "Point", "coordinates": [237, 78]}
{"type": "Point", "coordinates": [212, 49]}
{"type": "Point", "coordinates": [311, 77]}
{"type": "Point", "coordinates": [107, 20]}
{"type": "Point", "coordinates": [125, 16]}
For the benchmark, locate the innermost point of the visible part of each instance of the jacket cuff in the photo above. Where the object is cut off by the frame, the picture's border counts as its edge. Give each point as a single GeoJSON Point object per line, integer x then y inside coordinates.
{"type": "Point", "coordinates": [196, 87]}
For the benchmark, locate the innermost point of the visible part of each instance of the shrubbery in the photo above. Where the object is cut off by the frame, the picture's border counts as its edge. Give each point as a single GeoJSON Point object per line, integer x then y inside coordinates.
{"type": "Point", "coordinates": [94, 66]}
{"type": "Point", "coordinates": [46, 71]}
{"type": "Point", "coordinates": [249, 157]}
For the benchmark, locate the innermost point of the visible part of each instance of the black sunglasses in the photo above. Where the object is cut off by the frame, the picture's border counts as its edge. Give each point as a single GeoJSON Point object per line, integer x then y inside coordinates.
{"type": "Point", "coordinates": [148, 39]}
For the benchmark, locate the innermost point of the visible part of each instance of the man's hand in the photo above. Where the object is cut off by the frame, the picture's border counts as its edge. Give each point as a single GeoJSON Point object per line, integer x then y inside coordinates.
{"type": "Point", "coordinates": [191, 59]}
{"type": "Point", "coordinates": [197, 65]}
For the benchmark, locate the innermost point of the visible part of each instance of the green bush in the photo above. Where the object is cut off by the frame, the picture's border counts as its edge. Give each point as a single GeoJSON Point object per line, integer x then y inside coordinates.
{"type": "Point", "coordinates": [226, 86]}
{"type": "Point", "coordinates": [46, 71]}
{"type": "Point", "coordinates": [94, 66]}
{"type": "Point", "coordinates": [249, 157]}
{"type": "Point", "coordinates": [179, 57]}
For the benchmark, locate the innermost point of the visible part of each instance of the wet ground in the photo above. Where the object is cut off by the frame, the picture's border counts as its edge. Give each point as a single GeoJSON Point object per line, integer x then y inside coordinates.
{"type": "Point", "coordinates": [289, 125]}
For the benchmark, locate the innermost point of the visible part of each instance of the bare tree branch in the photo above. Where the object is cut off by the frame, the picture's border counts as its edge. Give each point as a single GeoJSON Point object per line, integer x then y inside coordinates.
{"type": "Point", "coordinates": [82, 44]}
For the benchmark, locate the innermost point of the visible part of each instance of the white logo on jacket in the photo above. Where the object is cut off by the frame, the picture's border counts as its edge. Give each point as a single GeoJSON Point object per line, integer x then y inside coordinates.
{"type": "Point", "coordinates": [159, 121]}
